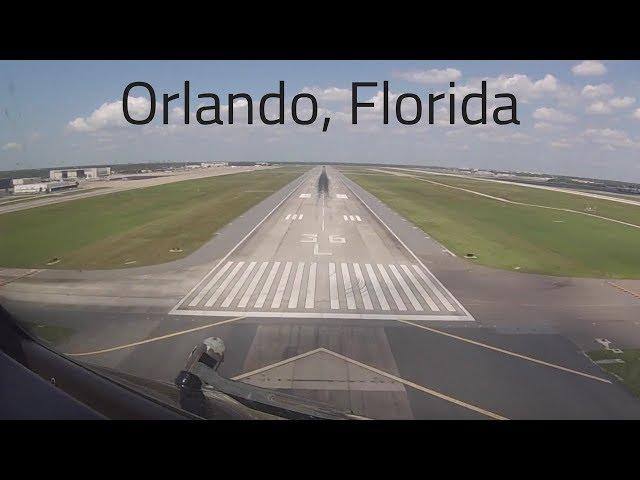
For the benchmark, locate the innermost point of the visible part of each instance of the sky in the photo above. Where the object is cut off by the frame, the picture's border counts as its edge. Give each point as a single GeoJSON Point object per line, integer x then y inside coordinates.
{"type": "Point", "coordinates": [579, 117]}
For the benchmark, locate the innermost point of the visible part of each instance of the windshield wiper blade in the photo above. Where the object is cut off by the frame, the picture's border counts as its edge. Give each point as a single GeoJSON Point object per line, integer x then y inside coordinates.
{"type": "Point", "coordinates": [200, 376]}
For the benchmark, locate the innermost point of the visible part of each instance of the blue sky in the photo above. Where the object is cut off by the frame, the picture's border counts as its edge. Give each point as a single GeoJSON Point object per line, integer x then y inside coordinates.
{"type": "Point", "coordinates": [577, 117]}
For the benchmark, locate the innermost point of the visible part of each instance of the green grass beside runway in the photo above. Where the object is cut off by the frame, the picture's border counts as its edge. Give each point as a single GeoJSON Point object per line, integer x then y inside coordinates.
{"type": "Point", "coordinates": [536, 196]}
{"type": "Point", "coordinates": [514, 237]}
{"type": "Point", "coordinates": [139, 225]}
{"type": "Point", "coordinates": [627, 372]}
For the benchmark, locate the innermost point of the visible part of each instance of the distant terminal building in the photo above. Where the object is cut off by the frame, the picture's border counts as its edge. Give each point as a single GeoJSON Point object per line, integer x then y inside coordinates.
{"type": "Point", "coordinates": [68, 173]}
{"type": "Point", "coordinates": [43, 187]}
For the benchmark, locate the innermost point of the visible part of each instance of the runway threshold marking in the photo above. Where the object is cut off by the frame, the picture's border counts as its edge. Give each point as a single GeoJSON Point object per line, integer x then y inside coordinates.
{"type": "Point", "coordinates": [506, 352]}
{"type": "Point", "coordinates": [420, 262]}
{"type": "Point", "coordinates": [174, 310]}
{"type": "Point", "coordinates": [155, 339]}
{"type": "Point", "coordinates": [408, 383]}
{"type": "Point", "coordinates": [620, 287]}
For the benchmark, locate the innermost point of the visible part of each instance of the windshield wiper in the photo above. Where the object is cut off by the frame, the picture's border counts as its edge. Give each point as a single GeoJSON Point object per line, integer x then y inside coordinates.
{"type": "Point", "coordinates": [200, 378]}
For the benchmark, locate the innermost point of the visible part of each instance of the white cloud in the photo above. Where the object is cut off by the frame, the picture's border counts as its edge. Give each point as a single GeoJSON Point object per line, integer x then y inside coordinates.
{"type": "Point", "coordinates": [589, 68]}
{"type": "Point", "coordinates": [430, 76]}
{"type": "Point", "coordinates": [11, 146]}
{"type": "Point", "coordinates": [609, 137]}
{"type": "Point", "coordinates": [604, 107]}
{"type": "Point", "coordinates": [622, 102]}
{"type": "Point", "coordinates": [636, 113]}
{"type": "Point", "coordinates": [562, 143]}
{"type": "Point", "coordinates": [110, 116]}
{"type": "Point", "coordinates": [599, 108]}
{"type": "Point", "coordinates": [597, 91]}
{"type": "Point", "coordinates": [552, 115]}
{"type": "Point", "coordinates": [525, 89]}
{"type": "Point", "coordinates": [328, 94]}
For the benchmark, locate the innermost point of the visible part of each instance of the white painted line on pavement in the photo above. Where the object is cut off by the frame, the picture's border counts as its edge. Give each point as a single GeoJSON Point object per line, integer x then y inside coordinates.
{"type": "Point", "coordinates": [236, 288]}
{"type": "Point", "coordinates": [382, 300]}
{"type": "Point", "coordinates": [223, 285]}
{"type": "Point", "coordinates": [311, 286]}
{"type": "Point", "coordinates": [198, 298]}
{"type": "Point", "coordinates": [242, 240]}
{"type": "Point", "coordinates": [392, 288]}
{"type": "Point", "coordinates": [267, 286]}
{"type": "Point", "coordinates": [348, 289]}
{"type": "Point", "coordinates": [423, 293]}
{"type": "Point", "coordinates": [362, 286]}
{"type": "Point", "coordinates": [333, 287]}
{"type": "Point", "coordinates": [252, 286]}
{"type": "Point", "coordinates": [434, 289]}
{"type": "Point", "coordinates": [295, 290]}
{"type": "Point", "coordinates": [277, 299]}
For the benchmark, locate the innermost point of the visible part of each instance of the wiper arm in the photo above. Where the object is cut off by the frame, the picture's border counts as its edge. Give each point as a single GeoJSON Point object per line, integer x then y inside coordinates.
{"type": "Point", "coordinates": [201, 376]}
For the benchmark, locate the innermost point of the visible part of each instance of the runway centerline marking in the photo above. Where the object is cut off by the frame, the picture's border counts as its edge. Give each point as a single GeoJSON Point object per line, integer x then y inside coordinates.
{"type": "Point", "coordinates": [506, 352]}
{"type": "Point", "coordinates": [155, 339]}
{"type": "Point", "coordinates": [388, 375]}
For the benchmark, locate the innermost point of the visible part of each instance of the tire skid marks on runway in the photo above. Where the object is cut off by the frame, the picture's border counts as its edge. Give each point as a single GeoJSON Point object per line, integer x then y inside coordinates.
{"type": "Point", "coordinates": [290, 286]}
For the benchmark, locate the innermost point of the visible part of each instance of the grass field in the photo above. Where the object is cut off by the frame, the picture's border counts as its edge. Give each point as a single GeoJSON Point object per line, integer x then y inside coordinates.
{"type": "Point", "coordinates": [536, 196]}
{"type": "Point", "coordinates": [628, 371]}
{"type": "Point", "coordinates": [141, 225]}
{"type": "Point", "coordinates": [515, 237]}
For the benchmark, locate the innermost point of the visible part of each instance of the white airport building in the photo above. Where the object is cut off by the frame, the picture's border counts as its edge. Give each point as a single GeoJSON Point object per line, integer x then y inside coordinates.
{"type": "Point", "coordinates": [92, 172]}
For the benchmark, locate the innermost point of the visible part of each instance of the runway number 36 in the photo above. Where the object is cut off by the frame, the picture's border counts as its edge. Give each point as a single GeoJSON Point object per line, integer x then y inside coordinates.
{"type": "Point", "coordinates": [313, 238]}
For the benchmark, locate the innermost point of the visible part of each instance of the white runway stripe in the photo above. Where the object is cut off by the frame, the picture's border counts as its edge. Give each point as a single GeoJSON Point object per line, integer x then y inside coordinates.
{"type": "Point", "coordinates": [434, 289]}
{"type": "Point", "coordinates": [382, 300]}
{"type": "Point", "coordinates": [252, 286]}
{"type": "Point", "coordinates": [198, 298]}
{"type": "Point", "coordinates": [333, 287]}
{"type": "Point", "coordinates": [392, 288]}
{"type": "Point", "coordinates": [267, 286]}
{"type": "Point", "coordinates": [407, 290]}
{"type": "Point", "coordinates": [351, 218]}
{"type": "Point", "coordinates": [348, 289]}
{"type": "Point", "coordinates": [395, 287]}
{"type": "Point", "coordinates": [236, 288]}
{"type": "Point", "coordinates": [223, 285]}
{"type": "Point", "coordinates": [362, 287]}
{"type": "Point", "coordinates": [358, 218]}
{"type": "Point", "coordinates": [345, 218]}
{"type": "Point", "coordinates": [422, 291]}
{"type": "Point", "coordinates": [295, 290]}
{"type": "Point", "coordinates": [311, 287]}
{"type": "Point", "coordinates": [300, 216]}
{"type": "Point", "coordinates": [277, 299]}
{"type": "Point", "coordinates": [287, 217]}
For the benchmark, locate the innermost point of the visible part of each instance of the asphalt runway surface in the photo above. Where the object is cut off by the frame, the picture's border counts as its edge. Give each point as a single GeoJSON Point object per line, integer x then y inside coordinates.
{"type": "Point", "coordinates": [323, 292]}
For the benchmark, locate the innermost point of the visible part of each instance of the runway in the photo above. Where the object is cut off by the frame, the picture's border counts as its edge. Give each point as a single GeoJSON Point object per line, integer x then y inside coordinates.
{"type": "Point", "coordinates": [322, 254]}
{"type": "Point", "coordinates": [329, 294]}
